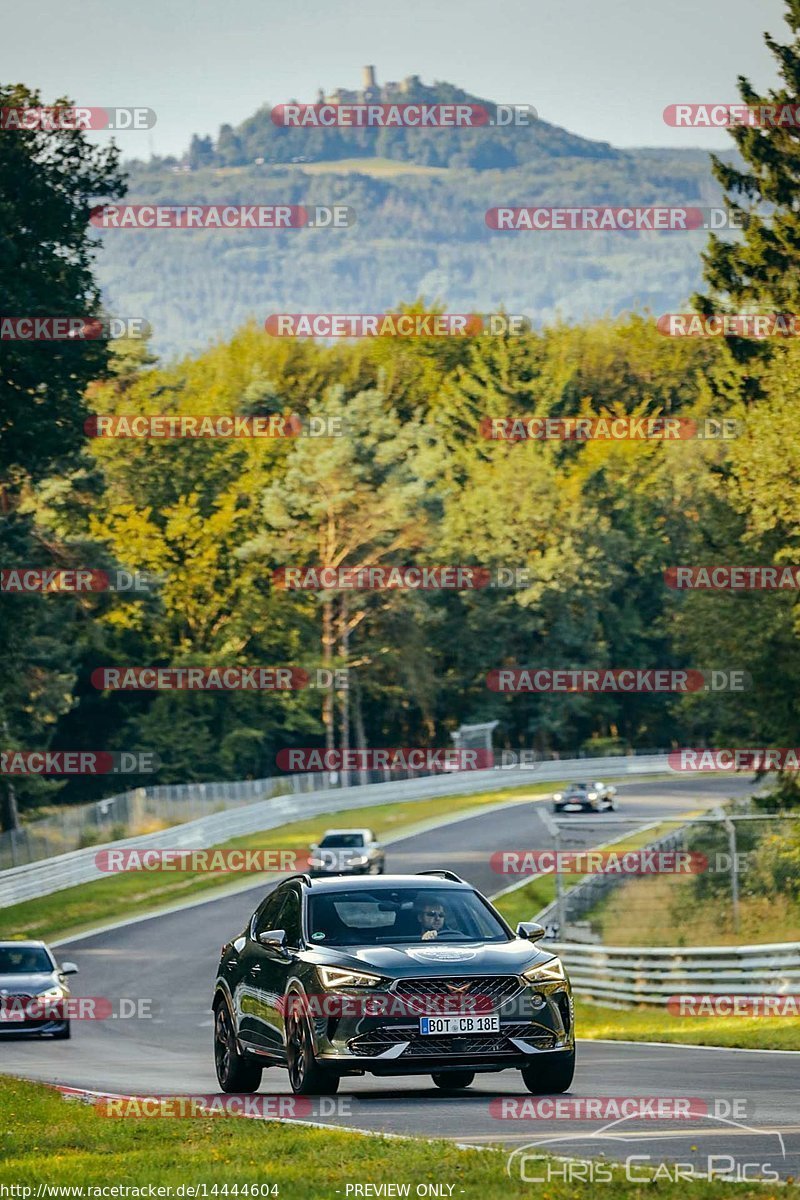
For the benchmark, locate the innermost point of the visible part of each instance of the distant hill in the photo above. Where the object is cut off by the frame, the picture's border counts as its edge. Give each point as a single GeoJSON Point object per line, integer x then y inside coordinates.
{"type": "Point", "coordinates": [258, 139]}
{"type": "Point", "coordinates": [418, 233]}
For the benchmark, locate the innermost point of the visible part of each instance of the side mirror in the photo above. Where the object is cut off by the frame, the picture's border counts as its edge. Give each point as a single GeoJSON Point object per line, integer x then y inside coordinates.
{"type": "Point", "coordinates": [273, 939]}
{"type": "Point", "coordinates": [314, 846]}
{"type": "Point", "coordinates": [68, 968]}
{"type": "Point", "coordinates": [531, 930]}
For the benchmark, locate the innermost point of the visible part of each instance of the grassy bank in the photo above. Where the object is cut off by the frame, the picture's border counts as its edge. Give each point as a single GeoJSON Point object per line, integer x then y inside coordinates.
{"type": "Point", "coordinates": [46, 1140]}
{"type": "Point", "coordinates": [135, 892]}
{"type": "Point", "coordinates": [664, 910]}
{"type": "Point", "coordinates": [657, 1025]}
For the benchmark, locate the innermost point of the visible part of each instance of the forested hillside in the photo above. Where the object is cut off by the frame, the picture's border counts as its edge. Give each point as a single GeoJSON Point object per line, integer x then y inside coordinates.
{"type": "Point", "coordinates": [415, 235]}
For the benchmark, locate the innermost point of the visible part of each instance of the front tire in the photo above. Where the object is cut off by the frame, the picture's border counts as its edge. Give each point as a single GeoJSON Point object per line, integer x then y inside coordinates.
{"type": "Point", "coordinates": [552, 1073]}
{"type": "Point", "coordinates": [306, 1076]}
{"type": "Point", "coordinates": [452, 1079]}
{"type": "Point", "coordinates": [234, 1072]}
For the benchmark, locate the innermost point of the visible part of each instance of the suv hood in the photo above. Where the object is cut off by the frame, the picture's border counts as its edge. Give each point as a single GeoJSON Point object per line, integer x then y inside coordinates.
{"type": "Point", "coordinates": [431, 959]}
{"type": "Point", "coordinates": [28, 984]}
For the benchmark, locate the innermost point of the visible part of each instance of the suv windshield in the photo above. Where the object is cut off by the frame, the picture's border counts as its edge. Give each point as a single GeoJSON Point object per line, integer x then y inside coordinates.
{"type": "Point", "coordinates": [344, 840]}
{"type": "Point", "coordinates": [24, 960]}
{"type": "Point", "coordinates": [391, 916]}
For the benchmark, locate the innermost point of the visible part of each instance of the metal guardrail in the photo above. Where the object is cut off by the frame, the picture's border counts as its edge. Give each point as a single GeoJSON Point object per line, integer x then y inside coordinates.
{"type": "Point", "coordinates": [68, 870]}
{"type": "Point", "coordinates": [582, 897]}
{"type": "Point", "coordinates": [625, 975]}
{"type": "Point", "coordinates": [141, 810]}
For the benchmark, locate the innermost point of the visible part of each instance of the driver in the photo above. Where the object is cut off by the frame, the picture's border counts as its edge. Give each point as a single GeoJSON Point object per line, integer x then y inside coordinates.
{"type": "Point", "coordinates": [431, 917]}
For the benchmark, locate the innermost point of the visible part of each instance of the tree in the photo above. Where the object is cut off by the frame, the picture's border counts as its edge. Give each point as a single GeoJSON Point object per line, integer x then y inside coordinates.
{"type": "Point", "coordinates": [49, 183]}
{"type": "Point", "coordinates": [347, 501]}
{"type": "Point", "coordinates": [761, 269]}
{"type": "Point", "coordinates": [201, 152]}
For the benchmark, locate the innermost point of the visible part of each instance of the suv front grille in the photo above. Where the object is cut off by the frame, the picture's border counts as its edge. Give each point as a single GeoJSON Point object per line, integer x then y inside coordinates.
{"type": "Point", "coordinates": [493, 991]}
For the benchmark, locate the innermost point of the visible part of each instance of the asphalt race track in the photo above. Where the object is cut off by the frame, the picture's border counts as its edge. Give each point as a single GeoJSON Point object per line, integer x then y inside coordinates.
{"type": "Point", "coordinates": [170, 960]}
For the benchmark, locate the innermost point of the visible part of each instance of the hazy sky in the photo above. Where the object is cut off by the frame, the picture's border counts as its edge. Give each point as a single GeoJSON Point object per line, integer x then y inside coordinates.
{"type": "Point", "coordinates": [605, 69]}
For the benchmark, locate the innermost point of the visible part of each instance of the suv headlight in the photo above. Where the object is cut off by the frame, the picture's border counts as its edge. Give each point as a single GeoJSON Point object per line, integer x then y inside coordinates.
{"type": "Point", "coordinates": [335, 977]}
{"type": "Point", "coordinates": [51, 993]}
{"type": "Point", "coordinates": [558, 795]}
{"type": "Point", "coordinates": [554, 969]}
{"type": "Point", "coordinates": [360, 860]}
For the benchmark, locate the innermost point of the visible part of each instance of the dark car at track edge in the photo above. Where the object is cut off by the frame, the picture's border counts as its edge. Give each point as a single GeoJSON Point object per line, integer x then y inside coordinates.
{"type": "Point", "coordinates": [389, 976]}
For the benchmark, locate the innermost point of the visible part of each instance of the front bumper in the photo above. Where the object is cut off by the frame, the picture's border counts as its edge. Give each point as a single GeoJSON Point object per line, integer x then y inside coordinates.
{"type": "Point", "coordinates": [15, 1028]}
{"type": "Point", "coordinates": [536, 1020]}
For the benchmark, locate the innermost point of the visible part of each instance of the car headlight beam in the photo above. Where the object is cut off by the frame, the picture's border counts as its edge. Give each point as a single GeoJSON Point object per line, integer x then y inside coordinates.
{"type": "Point", "coordinates": [51, 993]}
{"type": "Point", "coordinates": [546, 972]}
{"type": "Point", "coordinates": [336, 977]}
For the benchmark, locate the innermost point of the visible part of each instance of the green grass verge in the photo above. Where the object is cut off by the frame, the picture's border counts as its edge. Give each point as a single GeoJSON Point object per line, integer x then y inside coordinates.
{"type": "Point", "coordinates": [135, 892]}
{"type": "Point", "coordinates": [45, 1139]}
{"type": "Point", "coordinates": [655, 1025]}
{"type": "Point", "coordinates": [659, 910]}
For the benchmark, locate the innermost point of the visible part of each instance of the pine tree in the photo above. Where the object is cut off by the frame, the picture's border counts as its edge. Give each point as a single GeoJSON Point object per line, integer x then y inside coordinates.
{"type": "Point", "coordinates": [760, 269]}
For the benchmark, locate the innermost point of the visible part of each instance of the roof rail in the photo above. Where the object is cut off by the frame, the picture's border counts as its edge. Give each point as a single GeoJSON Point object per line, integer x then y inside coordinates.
{"type": "Point", "coordinates": [451, 875]}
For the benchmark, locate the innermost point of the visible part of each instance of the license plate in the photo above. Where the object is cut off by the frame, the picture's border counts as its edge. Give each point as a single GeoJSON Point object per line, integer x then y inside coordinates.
{"type": "Point", "coordinates": [573, 807]}
{"type": "Point", "coordinates": [447, 1026]}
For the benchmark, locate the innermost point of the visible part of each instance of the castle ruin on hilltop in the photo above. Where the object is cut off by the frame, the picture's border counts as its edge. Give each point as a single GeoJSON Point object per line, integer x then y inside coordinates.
{"type": "Point", "coordinates": [370, 91]}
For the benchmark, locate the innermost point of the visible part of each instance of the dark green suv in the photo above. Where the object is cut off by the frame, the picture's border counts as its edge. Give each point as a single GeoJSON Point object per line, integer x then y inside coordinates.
{"type": "Point", "coordinates": [397, 975]}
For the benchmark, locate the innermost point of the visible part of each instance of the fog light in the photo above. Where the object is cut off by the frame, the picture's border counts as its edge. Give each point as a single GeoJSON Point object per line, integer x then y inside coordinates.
{"type": "Point", "coordinates": [538, 1000]}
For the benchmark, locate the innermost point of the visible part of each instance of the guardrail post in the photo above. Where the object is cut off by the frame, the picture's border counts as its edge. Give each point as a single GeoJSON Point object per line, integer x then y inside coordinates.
{"type": "Point", "coordinates": [730, 826]}
{"type": "Point", "coordinates": [560, 917]}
